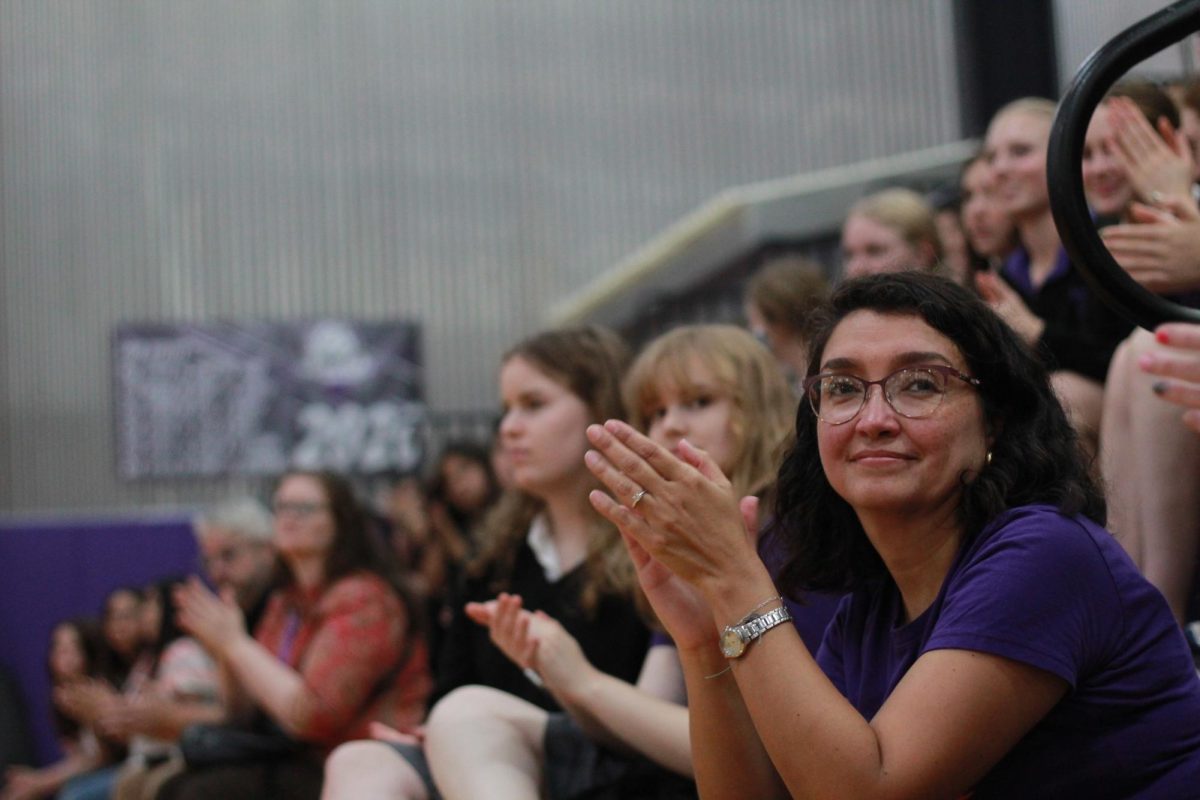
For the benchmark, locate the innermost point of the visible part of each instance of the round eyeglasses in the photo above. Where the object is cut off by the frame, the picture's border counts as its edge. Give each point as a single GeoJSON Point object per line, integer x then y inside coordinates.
{"type": "Point", "coordinates": [912, 392]}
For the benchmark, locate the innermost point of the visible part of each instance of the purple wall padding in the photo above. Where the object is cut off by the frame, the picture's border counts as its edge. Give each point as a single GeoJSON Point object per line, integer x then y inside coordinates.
{"type": "Point", "coordinates": [52, 570]}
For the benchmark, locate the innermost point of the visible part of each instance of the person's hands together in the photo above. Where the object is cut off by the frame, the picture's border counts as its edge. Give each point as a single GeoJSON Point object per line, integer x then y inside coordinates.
{"type": "Point", "coordinates": [86, 701]}
{"type": "Point", "coordinates": [687, 535]}
{"type": "Point", "coordinates": [145, 713]}
{"type": "Point", "coordinates": [1160, 249]}
{"type": "Point", "coordinates": [508, 626]}
{"type": "Point", "coordinates": [217, 622]}
{"type": "Point", "coordinates": [1157, 162]}
{"type": "Point", "coordinates": [557, 657]}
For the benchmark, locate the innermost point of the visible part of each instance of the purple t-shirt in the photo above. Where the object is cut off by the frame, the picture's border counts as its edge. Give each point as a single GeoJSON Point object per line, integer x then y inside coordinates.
{"type": "Point", "coordinates": [1057, 593]}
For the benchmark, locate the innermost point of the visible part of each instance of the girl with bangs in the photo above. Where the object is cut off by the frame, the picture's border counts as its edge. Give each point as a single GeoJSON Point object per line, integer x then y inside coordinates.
{"type": "Point", "coordinates": [720, 389]}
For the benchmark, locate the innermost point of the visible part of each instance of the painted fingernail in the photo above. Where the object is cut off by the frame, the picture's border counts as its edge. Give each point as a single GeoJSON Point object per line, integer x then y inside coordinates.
{"type": "Point", "coordinates": [1162, 337]}
{"type": "Point", "coordinates": [1159, 387]}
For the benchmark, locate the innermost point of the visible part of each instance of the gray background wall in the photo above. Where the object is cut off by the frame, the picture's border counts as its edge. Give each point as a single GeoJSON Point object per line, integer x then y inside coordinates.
{"type": "Point", "coordinates": [461, 163]}
{"type": "Point", "coordinates": [1083, 25]}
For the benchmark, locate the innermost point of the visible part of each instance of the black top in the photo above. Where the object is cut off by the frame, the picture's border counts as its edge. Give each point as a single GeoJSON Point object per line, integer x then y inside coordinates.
{"type": "Point", "coordinates": [1081, 332]}
{"type": "Point", "coordinates": [614, 638]}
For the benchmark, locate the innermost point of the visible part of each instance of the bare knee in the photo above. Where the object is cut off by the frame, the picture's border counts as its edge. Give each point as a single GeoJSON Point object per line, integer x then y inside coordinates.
{"type": "Point", "coordinates": [370, 769]}
{"type": "Point", "coordinates": [469, 707]}
{"type": "Point", "coordinates": [466, 703]}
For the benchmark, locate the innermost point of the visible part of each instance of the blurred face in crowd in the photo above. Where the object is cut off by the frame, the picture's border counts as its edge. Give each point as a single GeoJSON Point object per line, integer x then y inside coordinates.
{"type": "Point", "coordinates": [67, 657]}
{"type": "Point", "coordinates": [1016, 151]}
{"type": "Point", "coordinates": [701, 412]}
{"type": "Point", "coordinates": [304, 524]}
{"type": "Point", "coordinates": [1105, 182]}
{"type": "Point", "coordinates": [122, 624]}
{"type": "Point", "coordinates": [954, 242]}
{"type": "Point", "coordinates": [542, 430]}
{"type": "Point", "coordinates": [870, 247]}
{"type": "Point", "coordinates": [790, 351]}
{"type": "Point", "coordinates": [233, 561]}
{"type": "Point", "coordinates": [466, 480]}
{"type": "Point", "coordinates": [988, 229]}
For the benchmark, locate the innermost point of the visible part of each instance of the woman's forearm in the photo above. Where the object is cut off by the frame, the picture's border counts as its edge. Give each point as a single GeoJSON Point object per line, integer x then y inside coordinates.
{"type": "Point", "coordinates": [730, 759]}
{"type": "Point", "coordinates": [806, 735]}
{"type": "Point", "coordinates": [237, 704]}
{"type": "Point", "coordinates": [271, 685]}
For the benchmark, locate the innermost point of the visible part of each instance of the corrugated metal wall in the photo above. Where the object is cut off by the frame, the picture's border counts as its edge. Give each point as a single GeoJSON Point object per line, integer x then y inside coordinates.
{"type": "Point", "coordinates": [462, 163]}
{"type": "Point", "coordinates": [1084, 25]}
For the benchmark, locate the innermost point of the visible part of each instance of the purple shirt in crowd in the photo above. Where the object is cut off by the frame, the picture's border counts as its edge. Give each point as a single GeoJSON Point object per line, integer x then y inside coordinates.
{"type": "Point", "coordinates": [1057, 593]}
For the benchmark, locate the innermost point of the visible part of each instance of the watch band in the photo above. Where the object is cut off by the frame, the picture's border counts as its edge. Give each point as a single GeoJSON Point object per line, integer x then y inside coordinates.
{"type": "Point", "coordinates": [757, 626]}
{"type": "Point", "coordinates": [736, 638]}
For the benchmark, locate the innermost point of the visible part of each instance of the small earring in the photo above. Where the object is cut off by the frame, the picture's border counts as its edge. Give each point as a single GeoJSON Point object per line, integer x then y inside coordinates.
{"type": "Point", "coordinates": [989, 456]}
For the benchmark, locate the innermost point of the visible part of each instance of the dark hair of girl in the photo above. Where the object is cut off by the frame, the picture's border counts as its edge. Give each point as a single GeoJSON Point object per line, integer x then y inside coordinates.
{"type": "Point", "coordinates": [110, 665]}
{"type": "Point", "coordinates": [1036, 457]}
{"type": "Point", "coordinates": [87, 630]}
{"type": "Point", "coordinates": [437, 490]}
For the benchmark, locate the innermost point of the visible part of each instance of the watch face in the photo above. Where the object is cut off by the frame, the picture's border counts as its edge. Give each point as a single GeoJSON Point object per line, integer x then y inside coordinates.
{"type": "Point", "coordinates": [732, 645]}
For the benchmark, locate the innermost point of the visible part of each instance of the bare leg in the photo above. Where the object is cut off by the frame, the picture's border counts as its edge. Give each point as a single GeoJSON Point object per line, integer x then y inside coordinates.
{"type": "Point", "coordinates": [1117, 446]}
{"type": "Point", "coordinates": [1083, 400]}
{"type": "Point", "coordinates": [370, 769]}
{"type": "Point", "coordinates": [1167, 464]}
{"type": "Point", "coordinates": [482, 742]}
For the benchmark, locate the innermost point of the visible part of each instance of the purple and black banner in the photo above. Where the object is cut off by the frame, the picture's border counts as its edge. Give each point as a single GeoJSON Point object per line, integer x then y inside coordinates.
{"type": "Point", "coordinates": [257, 398]}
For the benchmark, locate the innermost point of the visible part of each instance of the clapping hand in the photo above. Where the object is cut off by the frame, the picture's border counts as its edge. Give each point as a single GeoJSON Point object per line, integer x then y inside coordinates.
{"type": "Point", "coordinates": [86, 701]}
{"type": "Point", "coordinates": [1160, 249]}
{"type": "Point", "coordinates": [535, 641]}
{"type": "Point", "coordinates": [145, 713]}
{"type": "Point", "coordinates": [508, 626]}
{"type": "Point", "coordinates": [1006, 302]}
{"type": "Point", "coordinates": [1158, 162]}
{"type": "Point", "coordinates": [688, 533]}
{"type": "Point", "coordinates": [217, 622]}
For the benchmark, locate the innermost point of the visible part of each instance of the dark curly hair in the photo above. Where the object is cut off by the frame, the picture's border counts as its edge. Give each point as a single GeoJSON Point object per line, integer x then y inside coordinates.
{"type": "Point", "coordinates": [1036, 457]}
{"type": "Point", "coordinates": [91, 644]}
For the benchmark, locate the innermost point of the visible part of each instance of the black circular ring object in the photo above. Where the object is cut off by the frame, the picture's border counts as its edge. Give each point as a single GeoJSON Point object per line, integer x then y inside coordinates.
{"type": "Point", "coordinates": [1064, 163]}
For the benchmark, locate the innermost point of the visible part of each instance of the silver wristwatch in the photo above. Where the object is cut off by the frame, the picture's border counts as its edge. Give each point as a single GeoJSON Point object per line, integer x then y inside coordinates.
{"type": "Point", "coordinates": [736, 638]}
